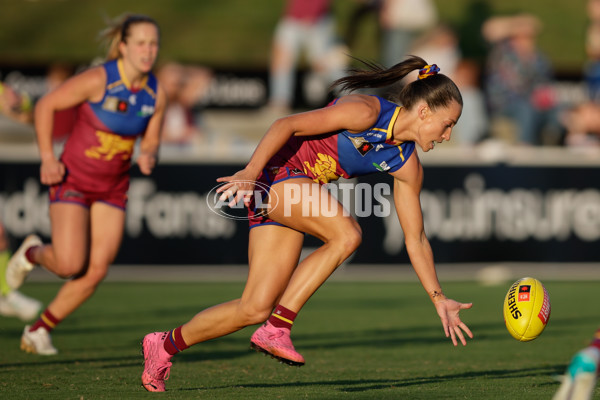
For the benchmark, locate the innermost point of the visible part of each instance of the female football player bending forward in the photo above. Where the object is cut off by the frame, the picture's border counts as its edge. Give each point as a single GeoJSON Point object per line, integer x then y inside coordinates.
{"type": "Point", "coordinates": [355, 135]}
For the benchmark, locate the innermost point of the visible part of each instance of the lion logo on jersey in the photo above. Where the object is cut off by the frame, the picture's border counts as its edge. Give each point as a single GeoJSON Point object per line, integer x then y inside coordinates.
{"type": "Point", "coordinates": [110, 146]}
{"type": "Point", "coordinates": [324, 169]}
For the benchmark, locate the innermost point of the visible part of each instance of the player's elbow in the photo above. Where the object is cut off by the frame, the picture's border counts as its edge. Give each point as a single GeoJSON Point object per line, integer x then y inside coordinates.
{"type": "Point", "coordinates": [283, 125]}
{"type": "Point", "coordinates": [42, 106]}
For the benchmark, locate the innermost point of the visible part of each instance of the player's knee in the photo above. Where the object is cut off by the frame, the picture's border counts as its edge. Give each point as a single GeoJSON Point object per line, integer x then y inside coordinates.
{"type": "Point", "coordinates": [69, 268]}
{"type": "Point", "coordinates": [96, 275]}
{"type": "Point", "coordinates": [93, 274]}
{"type": "Point", "coordinates": [253, 313]}
{"type": "Point", "coordinates": [349, 241]}
{"type": "Point", "coordinates": [354, 240]}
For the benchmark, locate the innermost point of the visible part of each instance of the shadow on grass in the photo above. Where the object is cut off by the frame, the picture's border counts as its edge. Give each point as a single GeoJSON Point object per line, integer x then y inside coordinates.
{"type": "Point", "coordinates": [392, 338]}
{"type": "Point", "coordinates": [364, 385]}
{"type": "Point", "coordinates": [375, 338]}
{"type": "Point", "coordinates": [122, 361]}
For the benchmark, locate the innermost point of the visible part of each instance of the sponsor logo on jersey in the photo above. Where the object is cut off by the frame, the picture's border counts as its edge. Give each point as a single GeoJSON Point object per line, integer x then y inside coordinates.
{"type": "Point", "coordinates": [362, 145]}
{"type": "Point", "coordinates": [379, 147]}
{"type": "Point", "coordinates": [383, 166]}
{"type": "Point", "coordinates": [114, 104]}
{"type": "Point", "coordinates": [72, 193]}
{"type": "Point", "coordinates": [145, 111]}
{"type": "Point", "coordinates": [122, 106]}
{"type": "Point", "coordinates": [116, 89]}
{"type": "Point", "coordinates": [110, 103]}
{"type": "Point", "coordinates": [375, 134]}
{"type": "Point", "coordinates": [132, 99]}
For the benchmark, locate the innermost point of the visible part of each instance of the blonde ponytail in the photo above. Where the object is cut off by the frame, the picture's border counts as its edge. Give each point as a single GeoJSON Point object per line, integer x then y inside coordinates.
{"type": "Point", "coordinates": [117, 31]}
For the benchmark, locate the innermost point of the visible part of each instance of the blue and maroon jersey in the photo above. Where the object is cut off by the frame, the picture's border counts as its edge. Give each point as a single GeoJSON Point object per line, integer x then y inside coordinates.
{"type": "Point", "coordinates": [98, 153]}
{"type": "Point", "coordinates": [325, 158]}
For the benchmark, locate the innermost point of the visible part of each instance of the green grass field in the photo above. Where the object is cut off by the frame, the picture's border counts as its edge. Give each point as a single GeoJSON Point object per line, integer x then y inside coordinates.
{"type": "Point", "coordinates": [360, 340]}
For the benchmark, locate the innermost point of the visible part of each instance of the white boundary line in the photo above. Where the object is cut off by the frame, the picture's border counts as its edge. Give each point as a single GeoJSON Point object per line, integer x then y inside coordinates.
{"type": "Point", "coordinates": [486, 273]}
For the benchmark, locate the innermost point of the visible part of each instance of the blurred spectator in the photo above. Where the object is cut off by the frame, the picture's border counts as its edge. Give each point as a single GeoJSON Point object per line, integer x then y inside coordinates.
{"type": "Point", "coordinates": [306, 25]}
{"type": "Point", "coordinates": [400, 22]}
{"type": "Point", "coordinates": [439, 46]}
{"type": "Point", "coordinates": [583, 125]}
{"type": "Point", "coordinates": [472, 127]}
{"type": "Point", "coordinates": [592, 49]}
{"type": "Point", "coordinates": [64, 120]}
{"type": "Point", "coordinates": [16, 115]}
{"type": "Point", "coordinates": [57, 73]}
{"type": "Point", "coordinates": [18, 97]}
{"type": "Point", "coordinates": [583, 121]}
{"type": "Point", "coordinates": [473, 46]}
{"type": "Point", "coordinates": [185, 87]}
{"type": "Point", "coordinates": [15, 105]}
{"type": "Point", "coordinates": [591, 70]}
{"type": "Point", "coordinates": [365, 9]}
{"type": "Point", "coordinates": [518, 79]}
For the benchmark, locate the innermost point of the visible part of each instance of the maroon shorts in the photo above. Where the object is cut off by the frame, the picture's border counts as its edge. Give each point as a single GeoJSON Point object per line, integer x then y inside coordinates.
{"type": "Point", "coordinates": [68, 192]}
{"type": "Point", "coordinates": [257, 215]}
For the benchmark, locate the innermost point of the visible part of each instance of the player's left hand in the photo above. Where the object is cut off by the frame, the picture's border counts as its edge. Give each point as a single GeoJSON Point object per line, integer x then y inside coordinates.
{"type": "Point", "coordinates": [146, 162]}
{"type": "Point", "coordinates": [448, 310]}
{"type": "Point", "coordinates": [237, 186]}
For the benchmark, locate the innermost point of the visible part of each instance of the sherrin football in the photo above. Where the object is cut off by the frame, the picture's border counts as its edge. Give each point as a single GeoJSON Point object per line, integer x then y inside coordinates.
{"type": "Point", "coordinates": [526, 309]}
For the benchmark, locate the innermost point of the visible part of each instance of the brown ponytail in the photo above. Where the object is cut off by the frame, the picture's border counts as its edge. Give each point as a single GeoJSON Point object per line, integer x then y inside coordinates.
{"type": "Point", "coordinates": [437, 90]}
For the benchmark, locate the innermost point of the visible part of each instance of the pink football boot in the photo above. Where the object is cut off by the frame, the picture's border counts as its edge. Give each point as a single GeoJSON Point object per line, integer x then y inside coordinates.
{"type": "Point", "coordinates": [157, 362]}
{"type": "Point", "coordinates": [277, 343]}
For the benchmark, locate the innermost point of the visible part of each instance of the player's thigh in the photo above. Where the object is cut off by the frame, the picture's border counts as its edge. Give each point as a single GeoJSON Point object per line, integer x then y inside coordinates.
{"type": "Point", "coordinates": [308, 207]}
{"type": "Point", "coordinates": [273, 254]}
{"type": "Point", "coordinates": [70, 224]}
{"type": "Point", "coordinates": [107, 226]}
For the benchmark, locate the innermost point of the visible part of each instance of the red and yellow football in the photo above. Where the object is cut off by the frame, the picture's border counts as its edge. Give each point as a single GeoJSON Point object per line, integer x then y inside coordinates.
{"type": "Point", "coordinates": [526, 309]}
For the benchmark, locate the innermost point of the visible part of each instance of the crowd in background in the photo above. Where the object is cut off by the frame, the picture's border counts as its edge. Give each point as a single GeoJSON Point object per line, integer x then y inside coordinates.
{"type": "Point", "coordinates": [509, 94]}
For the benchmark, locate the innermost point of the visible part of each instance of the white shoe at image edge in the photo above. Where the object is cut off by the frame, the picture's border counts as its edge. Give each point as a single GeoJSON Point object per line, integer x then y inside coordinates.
{"type": "Point", "coordinates": [16, 304]}
{"type": "Point", "coordinates": [18, 266]}
{"type": "Point", "coordinates": [37, 342]}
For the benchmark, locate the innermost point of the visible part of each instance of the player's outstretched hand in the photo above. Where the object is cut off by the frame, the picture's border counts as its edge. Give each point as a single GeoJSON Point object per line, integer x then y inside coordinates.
{"type": "Point", "coordinates": [448, 310]}
{"type": "Point", "coordinates": [237, 187]}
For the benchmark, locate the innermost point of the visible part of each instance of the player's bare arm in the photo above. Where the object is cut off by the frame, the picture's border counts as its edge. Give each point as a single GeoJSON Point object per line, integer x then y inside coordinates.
{"type": "Point", "coordinates": [355, 113]}
{"type": "Point", "coordinates": [407, 186]}
{"type": "Point", "coordinates": [87, 86]}
{"type": "Point", "coordinates": [151, 139]}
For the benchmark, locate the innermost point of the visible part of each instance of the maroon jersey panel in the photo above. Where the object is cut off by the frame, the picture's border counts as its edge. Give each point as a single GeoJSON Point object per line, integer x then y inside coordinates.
{"type": "Point", "coordinates": [97, 159]}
